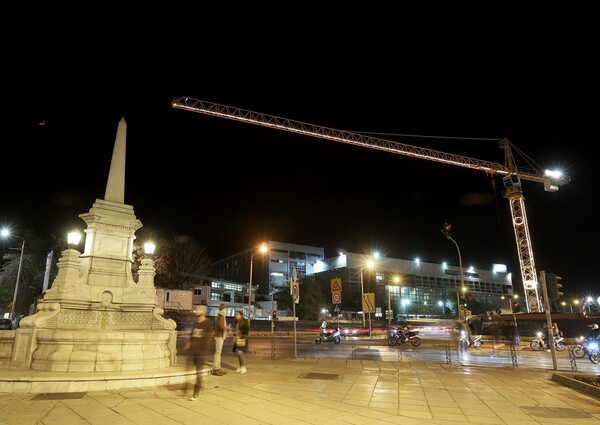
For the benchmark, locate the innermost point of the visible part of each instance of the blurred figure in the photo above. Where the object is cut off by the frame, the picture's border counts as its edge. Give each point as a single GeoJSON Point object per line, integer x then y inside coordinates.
{"type": "Point", "coordinates": [197, 346]}
{"type": "Point", "coordinates": [240, 344]}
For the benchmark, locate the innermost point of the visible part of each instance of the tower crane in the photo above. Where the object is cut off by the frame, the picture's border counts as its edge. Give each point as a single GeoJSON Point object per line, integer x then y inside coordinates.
{"type": "Point", "coordinates": [511, 175]}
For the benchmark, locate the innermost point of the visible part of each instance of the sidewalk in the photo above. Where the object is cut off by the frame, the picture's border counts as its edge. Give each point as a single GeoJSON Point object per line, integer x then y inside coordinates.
{"type": "Point", "coordinates": [316, 391]}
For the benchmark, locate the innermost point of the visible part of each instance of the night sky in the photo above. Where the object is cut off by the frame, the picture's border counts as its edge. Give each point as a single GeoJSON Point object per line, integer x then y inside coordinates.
{"type": "Point", "coordinates": [233, 185]}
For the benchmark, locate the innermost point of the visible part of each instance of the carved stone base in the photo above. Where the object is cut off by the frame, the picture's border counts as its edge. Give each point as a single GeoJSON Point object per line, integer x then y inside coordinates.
{"type": "Point", "coordinates": [103, 351]}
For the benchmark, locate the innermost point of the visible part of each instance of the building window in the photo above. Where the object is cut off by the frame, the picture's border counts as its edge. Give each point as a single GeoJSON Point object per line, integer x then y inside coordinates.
{"type": "Point", "coordinates": [197, 291]}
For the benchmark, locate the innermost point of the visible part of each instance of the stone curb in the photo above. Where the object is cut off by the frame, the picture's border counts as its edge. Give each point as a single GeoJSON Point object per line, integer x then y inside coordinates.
{"type": "Point", "coordinates": [567, 380]}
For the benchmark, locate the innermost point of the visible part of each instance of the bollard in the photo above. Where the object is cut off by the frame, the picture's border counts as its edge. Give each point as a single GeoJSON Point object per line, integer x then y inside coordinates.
{"type": "Point", "coordinates": [448, 353]}
{"type": "Point", "coordinates": [572, 359]}
{"type": "Point", "coordinates": [513, 354]}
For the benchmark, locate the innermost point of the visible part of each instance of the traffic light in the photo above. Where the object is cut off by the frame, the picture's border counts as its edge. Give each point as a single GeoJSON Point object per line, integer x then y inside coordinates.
{"type": "Point", "coordinates": [446, 229]}
{"type": "Point", "coordinates": [554, 286]}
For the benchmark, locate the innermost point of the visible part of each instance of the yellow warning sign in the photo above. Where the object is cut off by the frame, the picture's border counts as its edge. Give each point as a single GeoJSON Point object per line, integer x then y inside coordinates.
{"type": "Point", "coordinates": [336, 284]}
{"type": "Point", "coordinates": [368, 302]}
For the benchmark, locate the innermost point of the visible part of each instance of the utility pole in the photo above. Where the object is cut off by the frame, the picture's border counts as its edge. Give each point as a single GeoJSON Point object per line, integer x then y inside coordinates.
{"type": "Point", "coordinates": [542, 281]}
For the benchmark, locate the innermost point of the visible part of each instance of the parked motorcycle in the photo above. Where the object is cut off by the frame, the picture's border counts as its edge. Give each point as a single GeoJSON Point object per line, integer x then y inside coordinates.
{"type": "Point", "coordinates": [466, 342]}
{"type": "Point", "coordinates": [588, 347]}
{"type": "Point", "coordinates": [402, 336]}
{"type": "Point", "coordinates": [325, 336]}
{"type": "Point", "coordinates": [540, 344]}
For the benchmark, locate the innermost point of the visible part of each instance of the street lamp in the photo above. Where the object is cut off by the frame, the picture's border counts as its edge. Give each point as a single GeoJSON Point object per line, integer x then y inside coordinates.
{"type": "Point", "coordinates": [73, 238]}
{"type": "Point", "coordinates": [370, 263]}
{"type": "Point", "coordinates": [441, 305]}
{"type": "Point", "coordinates": [405, 303]}
{"type": "Point", "coordinates": [446, 231]}
{"type": "Point", "coordinates": [262, 249]}
{"type": "Point", "coordinates": [396, 280]}
{"type": "Point", "coordinates": [576, 302]}
{"type": "Point", "coordinates": [5, 234]}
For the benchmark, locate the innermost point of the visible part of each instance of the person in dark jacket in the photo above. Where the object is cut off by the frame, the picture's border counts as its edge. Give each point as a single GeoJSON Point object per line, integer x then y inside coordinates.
{"type": "Point", "coordinates": [197, 346]}
{"type": "Point", "coordinates": [220, 335]}
{"type": "Point", "coordinates": [240, 344]}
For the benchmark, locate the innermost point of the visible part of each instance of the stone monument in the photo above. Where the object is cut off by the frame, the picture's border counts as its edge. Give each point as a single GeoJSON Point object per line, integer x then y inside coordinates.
{"type": "Point", "coordinates": [95, 317]}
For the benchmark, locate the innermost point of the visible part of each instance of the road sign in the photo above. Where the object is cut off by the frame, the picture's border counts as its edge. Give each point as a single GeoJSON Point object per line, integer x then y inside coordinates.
{"type": "Point", "coordinates": [368, 302]}
{"type": "Point", "coordinates": [336, 297]}
{"type": "Point", "coordinates": [336, 284]}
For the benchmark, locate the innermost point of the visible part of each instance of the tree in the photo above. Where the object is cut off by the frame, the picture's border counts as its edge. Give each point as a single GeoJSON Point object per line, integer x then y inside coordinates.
{"type": "Point", "coordinates": [315, 294]}
{"type": "Point", "coordinates": [33, 268]}
{"type": "Point", "coordinates": [183, 264]}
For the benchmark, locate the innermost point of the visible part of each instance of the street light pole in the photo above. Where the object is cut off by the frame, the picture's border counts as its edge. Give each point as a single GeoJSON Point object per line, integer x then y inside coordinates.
{"type": "Point", "coordinates": [362, 295]}
{"type": "Point", "coordinates": [250, 289]}
{"type": "Point", "coordinates": [263, 249]}
{"type": "Point", "coordinates": [396, 280]}
{"type": "Point", "coordinates": [370, 263]}
{"type": "Point", "coordinates": [462, 278]}
{"type": "Point", "coordinates": [6, 233]}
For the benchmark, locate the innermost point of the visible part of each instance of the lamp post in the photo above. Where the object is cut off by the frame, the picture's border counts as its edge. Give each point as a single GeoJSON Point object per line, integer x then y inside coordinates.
{"type": "Point", "coordinates": [370, 264]}
{"type": "Point", "coordinates": [512, 311]}
{"type": "Point", "coordinates": [576, 302]}
{"type": "Point", "coordinates": [6, 233]}
{"type": "Point", "coordinates": [262, 249]}
{"type": "Point", "coordinates": [396, 280]}
{"type": "Point", "coordinates": [462, 278]}
{"type": "Point", "coordinates": [73, 238]}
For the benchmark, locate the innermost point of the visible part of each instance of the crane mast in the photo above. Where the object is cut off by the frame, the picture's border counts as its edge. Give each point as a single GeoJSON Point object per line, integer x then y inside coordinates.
{"type": "Point", "coordinates": [511, 175]}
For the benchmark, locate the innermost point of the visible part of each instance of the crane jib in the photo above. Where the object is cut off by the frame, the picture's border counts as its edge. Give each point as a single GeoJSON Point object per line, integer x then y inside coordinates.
{"type": "Point", "coordinates": [512, 176]}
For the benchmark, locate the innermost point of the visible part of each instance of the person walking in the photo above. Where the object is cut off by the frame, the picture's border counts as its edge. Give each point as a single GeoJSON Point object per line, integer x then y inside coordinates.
{"type": "Point", "coordinates": [220, 335]}
{"type": "Point", "coordinates": [197, 346]}
{"type": "Point", "coordinates": [240, 344]}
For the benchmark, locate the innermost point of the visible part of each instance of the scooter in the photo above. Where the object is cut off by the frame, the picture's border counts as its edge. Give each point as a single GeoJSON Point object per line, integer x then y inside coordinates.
{"type": "Point", "coordinates": [588, 347]}
{"type": "Point", "coordinates": [466, 342]}
{"type": "Point", "coordinates": [325, 336]}
{"type": "Point", "coordinates": [402, 336]}
{"type": "Point", "coordinates": [539, 343]}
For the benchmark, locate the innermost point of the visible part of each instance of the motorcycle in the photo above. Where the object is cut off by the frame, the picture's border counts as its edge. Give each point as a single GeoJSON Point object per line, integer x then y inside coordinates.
{"type": "Point", "coordinates": [540, 344]}
{"type": "Point", "coordinates": [588, 347]}
{"type": "Point", "coordinates": [325, 336]}
{"type": "Point", "coordinates": [402, 336]}
{"type": "Point", "coordinates": [466, 342]}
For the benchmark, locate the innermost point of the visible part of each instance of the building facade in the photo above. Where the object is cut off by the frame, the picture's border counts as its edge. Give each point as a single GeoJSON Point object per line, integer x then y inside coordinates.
{"type": "Point", "coordinates": [271, 271]}
{"type": "Point", "coordinates": [411, 288]}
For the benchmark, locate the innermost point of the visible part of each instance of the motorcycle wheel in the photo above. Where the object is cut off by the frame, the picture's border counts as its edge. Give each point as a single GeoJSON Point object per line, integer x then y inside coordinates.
{"type": "Point", "coordinates": [392, 341]}
{"type": "Point", "coordinates": [594, 358]}
{"type": "Point", "coordinates": [560, 346]}
{"type": "Point", "coordinates": [415, 341]}
{"type": "Point", "coordinates": [317, 340]}
{"type": "Point", "coordinates": [535, 345]}
{"type": "Point", "coordinates": [578, 352]}
{"type": "Point", "coordinates": [337, 340]}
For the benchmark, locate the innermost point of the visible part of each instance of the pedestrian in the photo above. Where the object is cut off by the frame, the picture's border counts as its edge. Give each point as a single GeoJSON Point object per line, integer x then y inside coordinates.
{"type": "Point", "coordinates": [555, 331]}
{"type": "Point", "coordinates": [220, 335]}
{"type": "Point", "coordinates": [197, 346]}
{"type": "Point", "coordinates": [240, 343]}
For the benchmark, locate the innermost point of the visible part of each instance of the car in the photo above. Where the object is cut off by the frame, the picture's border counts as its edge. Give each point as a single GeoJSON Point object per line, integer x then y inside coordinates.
{"type": "Point", "coordinates": [355, 331]}
{"type": "Point", "coordinates": [5, 324]}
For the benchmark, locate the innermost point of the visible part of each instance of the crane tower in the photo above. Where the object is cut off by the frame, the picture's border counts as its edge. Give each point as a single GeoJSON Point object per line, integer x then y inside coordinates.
{"type": "Point", "coordinates": [511, 175]}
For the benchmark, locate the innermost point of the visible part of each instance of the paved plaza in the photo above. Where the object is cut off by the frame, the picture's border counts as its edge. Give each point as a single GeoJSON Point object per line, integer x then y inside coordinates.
{"type": "Point", "coordinates": [318, 390]}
